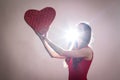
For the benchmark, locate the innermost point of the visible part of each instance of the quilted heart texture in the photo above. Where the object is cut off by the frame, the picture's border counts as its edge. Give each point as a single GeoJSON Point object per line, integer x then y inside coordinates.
{"type": "Point", "coordinates": [40, 20]}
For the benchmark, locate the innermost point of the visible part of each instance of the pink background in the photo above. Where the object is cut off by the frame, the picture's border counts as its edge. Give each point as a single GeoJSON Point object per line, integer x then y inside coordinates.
{"type": "Point", "coordinates": [23, 57]}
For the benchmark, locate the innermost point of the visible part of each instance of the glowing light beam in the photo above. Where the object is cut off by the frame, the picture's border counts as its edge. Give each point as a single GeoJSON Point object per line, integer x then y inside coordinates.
{"type": "Point", "coordinates": [72, 35]}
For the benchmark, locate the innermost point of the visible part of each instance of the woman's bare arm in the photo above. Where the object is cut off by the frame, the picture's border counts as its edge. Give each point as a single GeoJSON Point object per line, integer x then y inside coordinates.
{"type": "Point", "coordinates": [51, 52]}
{"type": "Point", "coordinates": [84, 52]}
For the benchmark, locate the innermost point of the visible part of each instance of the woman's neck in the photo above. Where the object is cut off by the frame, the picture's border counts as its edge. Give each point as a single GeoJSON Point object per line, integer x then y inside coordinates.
{"type": "Point", "coordinates": [83, 44]}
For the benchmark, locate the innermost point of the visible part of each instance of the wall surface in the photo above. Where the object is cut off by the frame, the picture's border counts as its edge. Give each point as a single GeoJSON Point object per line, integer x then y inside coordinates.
{"type": "Point", "coordinates": [23, 57]}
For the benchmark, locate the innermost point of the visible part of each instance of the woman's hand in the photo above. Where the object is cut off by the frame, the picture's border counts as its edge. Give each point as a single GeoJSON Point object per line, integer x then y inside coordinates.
{"type": "Point", "coordinates": [42, 36]}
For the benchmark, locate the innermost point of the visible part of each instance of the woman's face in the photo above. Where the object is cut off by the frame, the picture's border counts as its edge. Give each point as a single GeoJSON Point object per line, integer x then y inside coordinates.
{"type": "Point", "coordinates": [82, 35]}
{"type": "Point", "coordinates": [81, 31]}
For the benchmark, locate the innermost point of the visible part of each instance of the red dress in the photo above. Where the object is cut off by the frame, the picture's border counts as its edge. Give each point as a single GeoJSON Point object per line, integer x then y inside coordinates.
{"type": "Point", "coordinates": [79, 72]}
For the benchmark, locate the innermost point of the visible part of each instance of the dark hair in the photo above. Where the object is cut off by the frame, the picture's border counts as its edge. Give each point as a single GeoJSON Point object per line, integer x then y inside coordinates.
{"type": "Point", "coordinates": [86, 39]}
{"type": "Point", "coordinates": [87, 35]}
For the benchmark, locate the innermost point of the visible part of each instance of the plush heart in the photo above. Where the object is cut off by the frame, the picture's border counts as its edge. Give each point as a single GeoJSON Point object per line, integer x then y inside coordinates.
{"type": "Point", "coordinates": [40, 20]}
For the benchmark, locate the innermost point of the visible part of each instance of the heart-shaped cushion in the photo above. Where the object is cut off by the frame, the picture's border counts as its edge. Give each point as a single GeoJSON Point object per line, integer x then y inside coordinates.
{"type": "Point", "coordinates": [40, 20]}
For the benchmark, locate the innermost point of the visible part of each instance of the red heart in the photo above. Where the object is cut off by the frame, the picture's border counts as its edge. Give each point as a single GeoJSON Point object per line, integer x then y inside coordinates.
{"type": "Point", "coordinates": [40, 20]}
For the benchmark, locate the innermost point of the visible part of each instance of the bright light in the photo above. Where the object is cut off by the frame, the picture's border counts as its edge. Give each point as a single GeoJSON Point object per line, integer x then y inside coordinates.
{"type": "Point", "coordinates": [72, 35]}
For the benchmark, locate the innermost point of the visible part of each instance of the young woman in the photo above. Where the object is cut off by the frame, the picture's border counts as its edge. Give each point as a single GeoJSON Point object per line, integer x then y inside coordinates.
{"type": "Point", "coordinates": [79, 58]}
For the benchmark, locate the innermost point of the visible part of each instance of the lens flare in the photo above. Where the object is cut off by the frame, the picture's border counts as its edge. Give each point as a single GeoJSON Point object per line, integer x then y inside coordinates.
{"type": "Point", "coordinates": [72, 35]}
